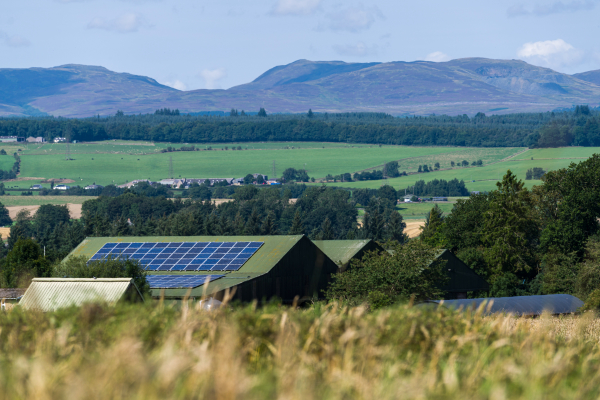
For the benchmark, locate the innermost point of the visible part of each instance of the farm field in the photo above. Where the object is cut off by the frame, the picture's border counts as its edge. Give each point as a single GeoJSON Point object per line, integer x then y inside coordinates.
{"type": "Point", "coordinates": [420, 210]}
{"type": "Point", "coordinates": [118, 162]}
{"type": "Point", "coordinates": [486, 177]}
{"type": "Point", "coordinates": [10, 201]}
{"type": "Point", "coordinates": [108, 168]}
{"type": "Point", "coordinates": [327, 351]}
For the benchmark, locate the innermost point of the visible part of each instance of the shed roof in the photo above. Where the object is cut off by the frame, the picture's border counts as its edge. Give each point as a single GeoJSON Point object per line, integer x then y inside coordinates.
{"type": "Point", "coordinates": [48, 294]}
{"type": "Point", "coordinates": [11, 293]}
{"type": "Point", "coordinates": [520, 305]}
{"type": "Point", "coordinates": [342, 251]}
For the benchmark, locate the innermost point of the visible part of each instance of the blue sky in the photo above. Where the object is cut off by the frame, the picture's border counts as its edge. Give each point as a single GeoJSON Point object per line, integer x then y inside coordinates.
{"type": "Point", "coordinates": [218, 44]}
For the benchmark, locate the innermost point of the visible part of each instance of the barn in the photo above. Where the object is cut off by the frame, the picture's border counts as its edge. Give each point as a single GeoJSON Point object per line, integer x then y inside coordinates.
{"type": "Point", "coordinates": [257, 267]}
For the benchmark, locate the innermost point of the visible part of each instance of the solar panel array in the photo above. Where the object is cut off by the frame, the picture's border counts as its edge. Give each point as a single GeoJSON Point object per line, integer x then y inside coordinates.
{"type": "Point", "coordinates": [179, 281]}
{"type": "Point", "coordinates": [183, 256]}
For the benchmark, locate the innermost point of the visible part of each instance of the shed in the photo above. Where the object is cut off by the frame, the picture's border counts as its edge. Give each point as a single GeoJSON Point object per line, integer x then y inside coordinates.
{"type": "Point", "coordinates": [462, 278]}
{"type": "Point", "coordinates": [283, 267]}
{"type": "Point", "coordinates": [49, 294]}
{"type": "Point", "coordinates": [10, 296]}
{"type": "Point", "coordinates": [344, 251]}
{"type": "Point", "coordinates": [519, 305]}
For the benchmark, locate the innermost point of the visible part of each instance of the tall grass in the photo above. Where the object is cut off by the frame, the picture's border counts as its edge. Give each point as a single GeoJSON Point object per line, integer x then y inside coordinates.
{"type": "Point", "coordinates": [325, 352]}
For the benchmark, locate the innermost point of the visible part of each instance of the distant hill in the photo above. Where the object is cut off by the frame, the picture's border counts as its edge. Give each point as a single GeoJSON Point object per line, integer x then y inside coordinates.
{"type": "Point", "coordinates": [590, 76]}
{"type": "Point", "coordinates": [460, 86]}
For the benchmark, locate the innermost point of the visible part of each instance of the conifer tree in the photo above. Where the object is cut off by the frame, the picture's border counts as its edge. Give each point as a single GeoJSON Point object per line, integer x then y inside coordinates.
{"type": "Point", "coordinates": [297, 228]}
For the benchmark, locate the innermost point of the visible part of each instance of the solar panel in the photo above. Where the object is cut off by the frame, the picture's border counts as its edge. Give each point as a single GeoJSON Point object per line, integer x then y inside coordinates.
{"type": "Point", "coordinates": [183, 256]}
{"type": "Point", "coordinates": [179, 281]}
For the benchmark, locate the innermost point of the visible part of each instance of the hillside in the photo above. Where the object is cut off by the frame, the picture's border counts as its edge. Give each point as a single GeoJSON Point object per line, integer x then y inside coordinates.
{"type": "Point", "coordinates": [590, 76]}
{"type": "Point", "coordinates": [401, 88]}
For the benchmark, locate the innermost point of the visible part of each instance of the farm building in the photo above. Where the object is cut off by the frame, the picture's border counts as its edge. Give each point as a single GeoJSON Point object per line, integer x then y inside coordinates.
{"type": "Point", "coordinates": [10, 296]}
{"type": "Point", "coordinates": [49, 294]}
{"type": "Point", "coordinates": [344, 251]}
{"type": "Point", "coordinates": [258, 267]}
{"type": "Point", "coordinates": [462, 278]}
{"type": "Point", "coordinates": [519, 305]}
{"type": "Point", "coordinates": [8, 139]}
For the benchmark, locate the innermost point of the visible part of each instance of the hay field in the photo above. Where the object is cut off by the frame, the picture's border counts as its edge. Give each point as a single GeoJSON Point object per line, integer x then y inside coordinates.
{"type": "Point", "coordinates": [323, 352]}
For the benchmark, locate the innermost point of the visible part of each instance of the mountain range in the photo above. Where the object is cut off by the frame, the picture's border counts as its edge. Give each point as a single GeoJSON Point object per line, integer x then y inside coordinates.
{"type": "Point", "coordinates": [462, 86]}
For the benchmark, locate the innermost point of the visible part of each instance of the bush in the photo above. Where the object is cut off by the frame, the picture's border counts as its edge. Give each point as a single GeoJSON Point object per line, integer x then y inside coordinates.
{"type": "Point", "coordinates": [382, 279]}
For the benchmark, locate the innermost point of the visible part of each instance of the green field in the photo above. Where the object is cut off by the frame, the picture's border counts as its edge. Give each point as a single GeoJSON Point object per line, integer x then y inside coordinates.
{"type": "Point", "coordinates": [119, 162]}
{"type": "Point", "coordinates": [485, 178]}
{"type": "Point", "coordinates": [106, 168]}
{"type": "Point", "coordinates": [9, 201]}
{"type": "Point", "coordinates": [420, 210]}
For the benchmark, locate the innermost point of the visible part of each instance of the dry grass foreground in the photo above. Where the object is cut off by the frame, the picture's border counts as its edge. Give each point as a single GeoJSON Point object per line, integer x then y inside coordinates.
{"type": "Point", "coordinates": [74, 210]}
{"type": "Point", "coordinates": [324, 352]}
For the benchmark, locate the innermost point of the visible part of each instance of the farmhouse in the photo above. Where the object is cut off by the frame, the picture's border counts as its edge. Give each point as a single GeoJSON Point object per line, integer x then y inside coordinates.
{"type": "Point", "coordinates": [49, 294]}
{"type": "Point", "coordinates": [256, 267]}
{"type": "Point", "coordinates": [92, 187]}
{"type": "Point", "coordinates": [38, 139]}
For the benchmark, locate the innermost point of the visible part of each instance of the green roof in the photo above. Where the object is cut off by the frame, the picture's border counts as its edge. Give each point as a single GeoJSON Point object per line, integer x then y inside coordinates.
{"type": "Point", "coordinates": [48, 294]}
{"type": "Point", "coordinates": [274, 248]}
{"type": "Point", "coordinates": [341, 251]}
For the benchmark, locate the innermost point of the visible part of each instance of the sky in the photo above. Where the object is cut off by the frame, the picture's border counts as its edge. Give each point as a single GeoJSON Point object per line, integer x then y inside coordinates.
{"type": "Point", "coordinates": [199, 44]}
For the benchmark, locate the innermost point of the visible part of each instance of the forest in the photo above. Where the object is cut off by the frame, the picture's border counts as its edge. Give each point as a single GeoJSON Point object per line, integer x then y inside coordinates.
{"type": "Point", "coordinates": [579, 126]}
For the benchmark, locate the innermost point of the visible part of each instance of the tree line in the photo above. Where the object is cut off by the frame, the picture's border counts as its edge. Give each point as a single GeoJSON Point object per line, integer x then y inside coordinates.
{"type": "Point", "coordinates": [579, 126]}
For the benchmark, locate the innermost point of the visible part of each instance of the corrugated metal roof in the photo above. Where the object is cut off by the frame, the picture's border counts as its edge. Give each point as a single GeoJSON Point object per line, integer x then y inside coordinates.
{"type": "Point", "coordinates": [267, 256]}
{"type": "Point", "coordinates": [341, 251]}
{"type": "Point", "coordinates": [49, 294]}
{"type": "Point", "coordinates": [520, 305]}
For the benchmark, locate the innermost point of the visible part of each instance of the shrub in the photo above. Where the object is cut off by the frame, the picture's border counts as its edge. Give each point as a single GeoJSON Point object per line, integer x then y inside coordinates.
{"type": "Point", "coordinates": [78, 267]}
{"type": "Point", "coordinates": [382, 279]}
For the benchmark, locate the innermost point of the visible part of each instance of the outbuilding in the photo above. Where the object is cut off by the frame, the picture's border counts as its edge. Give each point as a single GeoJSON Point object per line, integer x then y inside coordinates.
{"type": "Point", "coordinates": [462, 279]}
{"type": "Point", "coordinates": [50, 294]}
{"type": "Point", "coordinates": [256, 267]}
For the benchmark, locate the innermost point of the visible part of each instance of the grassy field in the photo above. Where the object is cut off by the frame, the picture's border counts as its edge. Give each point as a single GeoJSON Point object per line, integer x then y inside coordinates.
{"type": "Point", "coordinates": [121, 161]}
{"type": "Point", "coordinates": [107, 168]}
{"type": "Point", "coordinates": [420, 210]}
{"type": "Point", "coordinates": [10, 201]}
{"type": "Point", "coordinates": [323, 352]}
{"type": "Point", "coordinates": [485, 177]}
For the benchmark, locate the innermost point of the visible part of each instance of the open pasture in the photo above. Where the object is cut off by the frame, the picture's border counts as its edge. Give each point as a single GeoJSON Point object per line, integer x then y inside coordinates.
{"type": "Point", "coordinates": [117, 168]}
{"type": "Point", "coordinates": [485, 177]}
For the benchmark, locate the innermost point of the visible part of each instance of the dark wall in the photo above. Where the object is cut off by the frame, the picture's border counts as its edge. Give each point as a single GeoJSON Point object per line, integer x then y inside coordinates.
{"type": "Point", "coordinates": [304, 271]}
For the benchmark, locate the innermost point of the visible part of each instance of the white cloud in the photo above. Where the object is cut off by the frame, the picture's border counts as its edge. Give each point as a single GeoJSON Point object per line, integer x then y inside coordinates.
{"type": "Point", "coordinates": [177, 84]}
{"type": "Point", "coordinates": [295, 7]}
{"type": "Point", "coordinates": [212, 76]}
{"type": "Point", "coordinates": [359, 49]}
{"type": "Point", "coordinates": [437, 56]}
{"type": "Point", "coordinates": [14, 40]}
{"type": "Point", "coordinates": [554, 54]}
{"type": "Point", "coordinates": [541, 10]}
{"type": "Point", "coordinates": [126, 23]}
{"type": "Point", "coordinates": [353, 19]}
